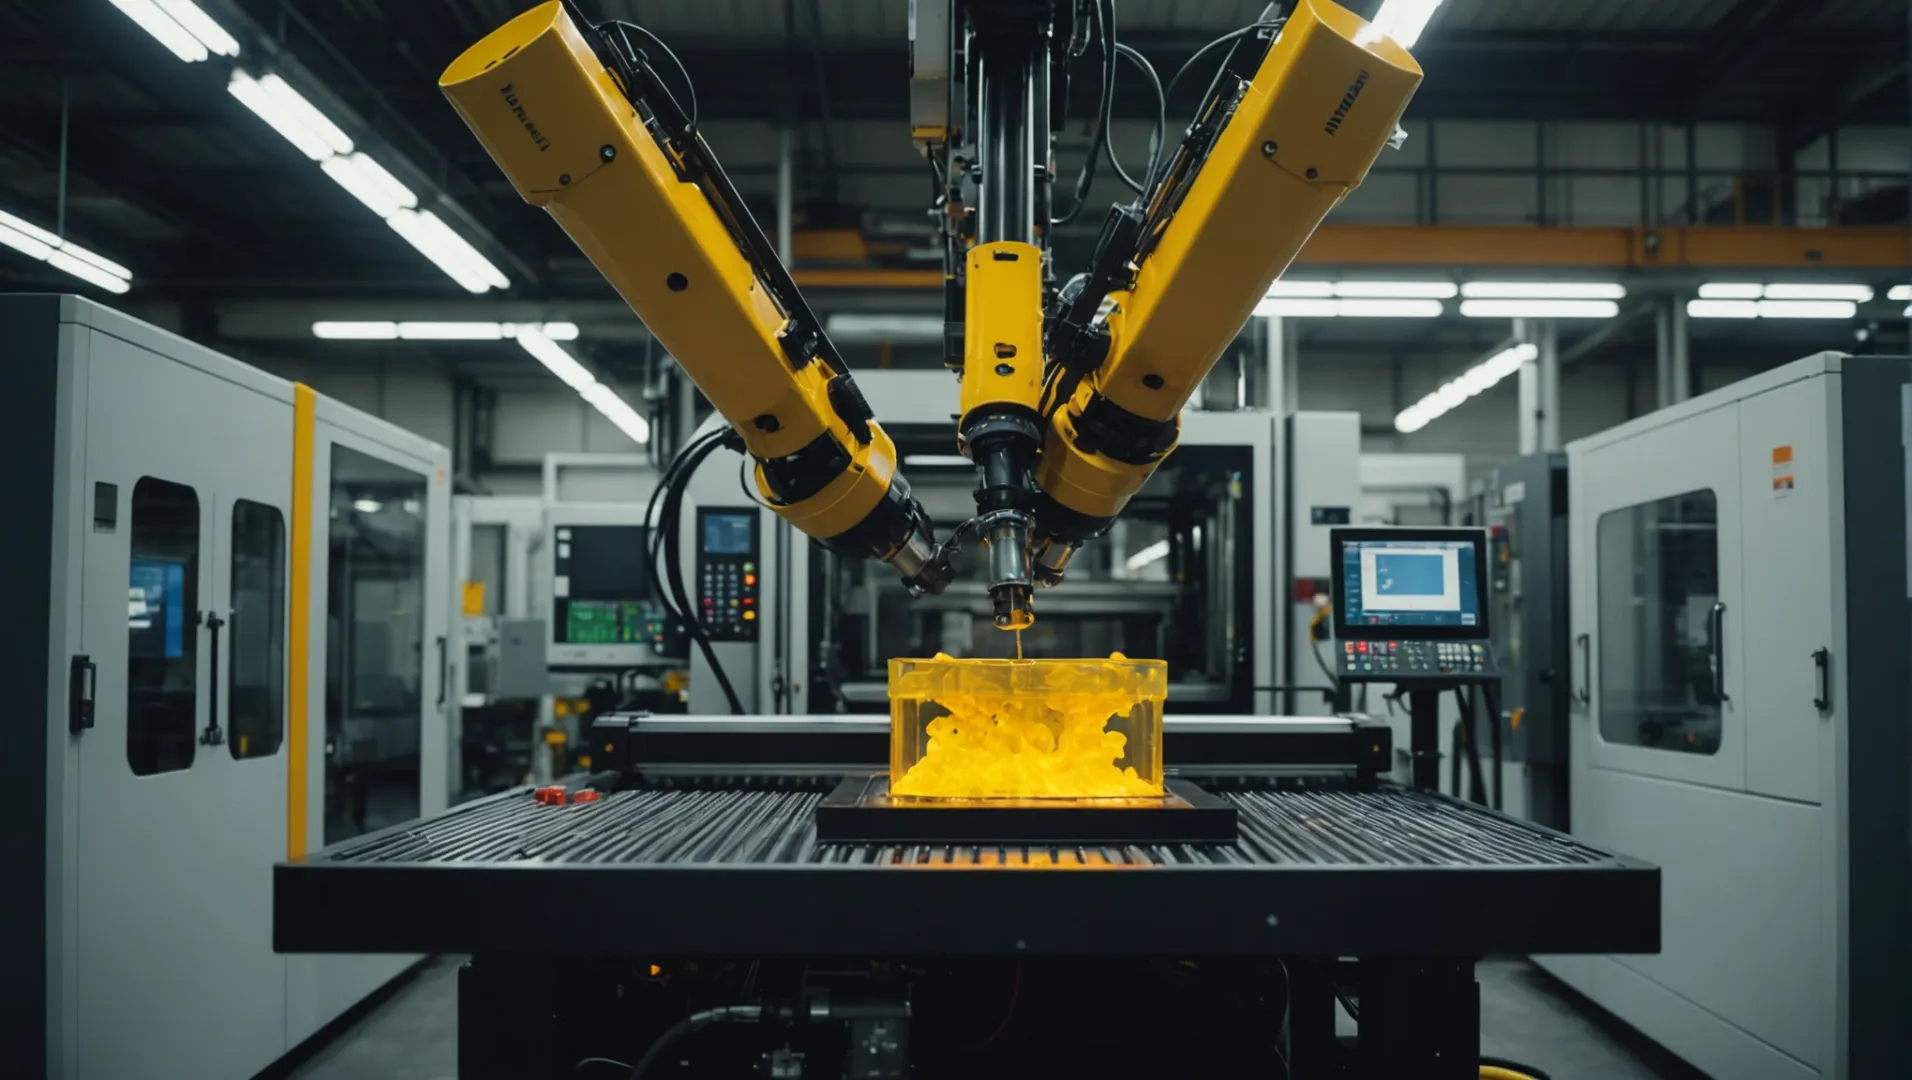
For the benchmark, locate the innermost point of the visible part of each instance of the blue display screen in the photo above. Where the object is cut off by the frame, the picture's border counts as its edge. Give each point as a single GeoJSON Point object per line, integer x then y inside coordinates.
{"type": "Point", "coordinates": [727, 534]}
{"type": "Point", "coordinates": [1410, 583]}
{"type": "Point", "coordinates": [156, 608]}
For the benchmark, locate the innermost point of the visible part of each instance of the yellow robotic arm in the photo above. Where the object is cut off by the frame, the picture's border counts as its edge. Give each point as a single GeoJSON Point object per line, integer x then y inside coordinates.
{"type": "Point", "coordinates": [585, 129]}
{"type": "Point", "coordinates": [1291, 126]}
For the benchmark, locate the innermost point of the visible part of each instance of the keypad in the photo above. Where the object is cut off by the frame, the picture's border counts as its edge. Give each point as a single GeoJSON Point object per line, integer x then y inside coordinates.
{"type": "Point", "coordinates": [729, 597]}
{"type": "Point", "coordinates": [1411, 659]}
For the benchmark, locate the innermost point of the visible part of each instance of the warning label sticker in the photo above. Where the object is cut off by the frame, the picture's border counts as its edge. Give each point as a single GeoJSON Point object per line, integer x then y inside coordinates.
{"type": "Point", "coordinates": [1782, 471]}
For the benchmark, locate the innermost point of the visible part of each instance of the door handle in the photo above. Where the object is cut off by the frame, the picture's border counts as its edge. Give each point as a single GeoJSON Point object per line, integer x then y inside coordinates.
{"type": "Point", "coordinates": [444, 669]}
{"type": "Point", "coordinates": [1822, 668]}
{"type": "Point", "coordinates": [213, 735]}
{"type": "Point", "coordinates": [1583, 692]}
{"type": "Point", "coordinates": [1718, 659]}
{"type": "Point", "coordinates": [82, 680]}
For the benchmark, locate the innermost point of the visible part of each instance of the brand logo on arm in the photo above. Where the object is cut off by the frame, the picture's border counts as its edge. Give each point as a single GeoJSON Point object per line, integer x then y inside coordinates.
{"type": "Point", "coordinates": [509, 91]}
{"type": "Point", "coordinates": [1334, 122]}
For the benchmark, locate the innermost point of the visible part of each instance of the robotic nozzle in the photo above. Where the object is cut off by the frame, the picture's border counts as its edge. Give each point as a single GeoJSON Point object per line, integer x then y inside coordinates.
{"type": "Point", "coordinates": [1010, 587]}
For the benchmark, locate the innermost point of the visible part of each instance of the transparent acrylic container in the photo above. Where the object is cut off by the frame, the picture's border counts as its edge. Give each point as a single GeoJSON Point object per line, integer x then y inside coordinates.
{"type": "Point", "coordinates": [1026, 729]}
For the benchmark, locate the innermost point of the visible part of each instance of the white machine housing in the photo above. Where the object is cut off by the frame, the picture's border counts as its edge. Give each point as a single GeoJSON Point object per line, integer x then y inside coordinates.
{"type": "Point", "coordinates": [148, 943]}
{"type": "Point", "coordinates": [1742, 631]}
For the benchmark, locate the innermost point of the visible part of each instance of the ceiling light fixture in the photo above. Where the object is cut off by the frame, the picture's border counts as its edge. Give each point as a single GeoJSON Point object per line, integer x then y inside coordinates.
{"type": "Point", "coordinates": [423, 330]}
{"type": "Point", "coordinates": [1322, 308]}
{"type": "Point", "coordinates": [1543, 290]}
{"type": "Point", "coordinates": [185, 30]}
{"type": "Point", "coordinates": [1899, 292]}
{"type": "Point", "coordinates": [1722, 309]}
{"type": "Point", "coordinates": [1402, 20]}
{"type": "Point", "coordinates": [1422, 290]}
{"type": "Point", "coordinates": [1463, 386]}
{"type": "Point", "coordinates": [1539, 309]}
{"type": "Point", "coordinates": [618, 412]}
{"type": "Point", "coordinates": [1808, 309]}
{"type": "Point", "coordinates": [1154, 553]}
{"type": "Point", "coordinates": [368, 182]}
{"type": "Point", "coordinates": [459, 260]}
{"type": "Point", "coordinates": [1771, 309]}
{"type": "Point", "coordinates": [1857, 294]}
{"type": "Point", "coordinates": [936, 461]}
{"type": "Point", "coordinates": [62, 254]}
{"type": "Point", "coordinates": [1300, 288]}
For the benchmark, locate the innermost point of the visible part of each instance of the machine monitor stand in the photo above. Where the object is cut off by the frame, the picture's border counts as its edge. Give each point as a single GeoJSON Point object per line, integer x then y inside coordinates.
{"type": "Point", "coordinates": [1409, 610]}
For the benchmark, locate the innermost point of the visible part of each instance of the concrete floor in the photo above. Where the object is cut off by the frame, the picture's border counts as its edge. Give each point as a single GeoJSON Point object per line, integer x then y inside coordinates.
{"type": "Point", "coordinates": [1526, 1015]}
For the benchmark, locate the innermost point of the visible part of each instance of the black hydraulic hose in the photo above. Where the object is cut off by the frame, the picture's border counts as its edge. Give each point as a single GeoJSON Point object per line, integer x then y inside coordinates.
{"type": "Point", "coordinates": [1492, 693]}
{"type": "Point", "coordinates": [673, 569]}
{"type": "Point", "coordinates": [1099, 128]}
{"type": "Point", "coordinates": [1476, 784]}
{"type": "Point", "coordinates": [1156, 136]}
{"type": "Point", "coordinates": [652, 1057]}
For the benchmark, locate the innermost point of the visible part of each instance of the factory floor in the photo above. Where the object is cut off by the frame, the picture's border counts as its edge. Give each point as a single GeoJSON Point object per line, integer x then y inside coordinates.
{"type": "Point", "coordinates": [1526, 1015]}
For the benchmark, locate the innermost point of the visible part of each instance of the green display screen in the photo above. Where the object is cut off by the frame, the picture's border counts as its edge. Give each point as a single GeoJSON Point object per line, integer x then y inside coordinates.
{"type": "Point", "coordinates": [611, 622]}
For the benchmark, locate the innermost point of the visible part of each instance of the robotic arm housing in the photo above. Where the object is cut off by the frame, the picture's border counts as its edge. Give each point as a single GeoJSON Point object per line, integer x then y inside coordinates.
{"type": "Point", "coordinates": [596, 139]}
{"type": "Point", "coordinates": [1070, 397]}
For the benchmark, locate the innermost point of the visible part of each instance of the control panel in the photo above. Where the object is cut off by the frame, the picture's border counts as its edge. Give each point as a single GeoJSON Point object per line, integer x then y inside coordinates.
{"type": "Point", "coordinates": [1402, 661]}
{"type": "Point", "coordinates": [604, 612]}
{"type": "Point", "coordinates": [727, 577]}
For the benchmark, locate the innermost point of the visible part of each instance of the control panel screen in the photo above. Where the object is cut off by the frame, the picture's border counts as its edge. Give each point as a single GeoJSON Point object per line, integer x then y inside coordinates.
{"type": "Point", "coordinates": [1411, 582]}
{"type": "Point", "coordinates": [727, 587]}
{"type": "Point", "coordinates": [156, 608]}
{"type": "Point", "coordinates": [603, 562]}
{"type": "Point", "coordinates": [601, 587]}
{"type": "Point", "coordinates": [728, 533]}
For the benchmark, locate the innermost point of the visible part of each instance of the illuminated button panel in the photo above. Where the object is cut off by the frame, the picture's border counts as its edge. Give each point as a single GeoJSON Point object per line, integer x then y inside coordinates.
{"type": "Point", "coordinates": [1408, 659]}
{"type": "Point", "coordinates": [728, 584]}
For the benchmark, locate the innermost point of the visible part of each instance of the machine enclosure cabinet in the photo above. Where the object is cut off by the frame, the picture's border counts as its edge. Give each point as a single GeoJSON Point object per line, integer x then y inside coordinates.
{"type": "Point", "coordinates": [1523, 505]}
{"type": "Point", "coordinates": [1740, 635]}
{"type": "Point", "coordinates": [235, 594]}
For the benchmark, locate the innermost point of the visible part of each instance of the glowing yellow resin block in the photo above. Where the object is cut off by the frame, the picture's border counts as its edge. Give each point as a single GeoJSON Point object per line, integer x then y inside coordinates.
{"type": "Point", "coordinates": [1022, 729]}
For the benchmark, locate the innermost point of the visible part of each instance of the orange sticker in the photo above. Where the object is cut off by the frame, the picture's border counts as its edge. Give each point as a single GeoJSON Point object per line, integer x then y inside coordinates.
{"type": "Point", "coordinates": [1782, 455]}
{"type": "Point", "coordinates": [474, 598]}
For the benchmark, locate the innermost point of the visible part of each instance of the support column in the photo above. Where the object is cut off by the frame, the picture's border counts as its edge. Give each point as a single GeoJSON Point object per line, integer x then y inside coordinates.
{"type": "Point", "coordinates": [1539, 386]}
{"type": "Point", "coordinates": [1280, 378]}
{"type": "Point", "coordinates": [1672, 356]}
{"type": "Point", "coordinates": [786, 190]}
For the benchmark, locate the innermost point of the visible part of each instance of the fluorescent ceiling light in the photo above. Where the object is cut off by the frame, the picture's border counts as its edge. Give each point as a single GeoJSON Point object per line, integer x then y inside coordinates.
{"type": "Point", "coordinates": [1154, 553]}
{"type": "Point", "coordinates": [1425, 290]}
{"type": "Point", "coordinates": [450, 331]}
{"type": "Point", "coordinates": [270, 107]}
{"type": "Point", "coordinates": [356, 331]}
{"type": "Point", "coordinates": [86, 271]}
{"type": "Point", "coordinates": [1899, 292]}
{"type": "Point", "coordinates": [201, 26]}
{"type": "Point", "coordinates": [296, 108]}
{"type": "Point", "coordinates": [1463, 386]}
{"type": "Point", "coordinates": [369, 183]}
{"type": "Point", "coordinates": [899, 329]}
{"type": "Point", "coordinates": [619, 412]}
{"type": "Point", "coordinates": [1807, 309]}
{"type": "Point", "coordinates": [164, 29]}
{"type": "Point", "coordinates": [1390, 309]}
{"type": "Point", "coordinates": [1301, 288]}
{"type": "Point", "coordinates": [367, 506]}
{"type": "Point", "coordinates": [1723, 309]}
{"type": "Point", "coordinates": [446, 249]}
{"type": "Point", "coordinates": [1732, 290]}
{"type": "Point", "coordinates": [1298, 307]}
{"type": "Point", "coordinates": [1402, 20]}
{"type": "Point", "coordinates": [553, 356]}
{"type": "Point", "coordinates": [1539, 309]}
{"type": "Point", "coordinates": [62, 254]}
{"type": "Point", "coordinates": [1544, 290]}
{"type": "Point", "coordinates": [1857, 294]}
{"type": "Point", "coordinates": [377, 330]}
{"type": "Point", "coordinates": [1319, 308]}
{"type": "Point", "coordinates": [1772, 309]}
{"type": "Point", "coordinates": [937, 461]}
